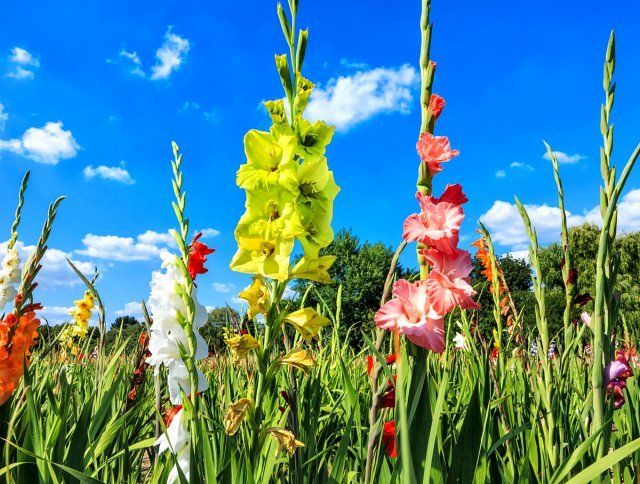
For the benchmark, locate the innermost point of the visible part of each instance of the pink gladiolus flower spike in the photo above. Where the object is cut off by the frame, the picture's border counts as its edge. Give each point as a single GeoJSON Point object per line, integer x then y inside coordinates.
{"type": "Point", "coordinates": [434, 150]}
{"type": "Point", "coordinates": [438, 223]}
{"type": "Point", "coordinates": [411, 313]}
{"type": "Point", "coordinates": [448, 281]}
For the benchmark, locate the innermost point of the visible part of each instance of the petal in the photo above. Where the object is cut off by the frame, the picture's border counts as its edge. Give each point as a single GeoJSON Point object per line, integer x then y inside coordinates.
{"type": "Point", "coordinates": [413, 229]}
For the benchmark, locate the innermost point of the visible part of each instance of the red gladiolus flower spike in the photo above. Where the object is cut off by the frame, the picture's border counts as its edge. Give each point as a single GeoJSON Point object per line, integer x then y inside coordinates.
{"type": "Point", "coordinates": [198, 253]}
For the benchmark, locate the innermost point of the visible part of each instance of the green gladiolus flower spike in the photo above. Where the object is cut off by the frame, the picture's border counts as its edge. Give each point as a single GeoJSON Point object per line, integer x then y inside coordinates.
{"type": "Point", "coordinates": [268, 159]}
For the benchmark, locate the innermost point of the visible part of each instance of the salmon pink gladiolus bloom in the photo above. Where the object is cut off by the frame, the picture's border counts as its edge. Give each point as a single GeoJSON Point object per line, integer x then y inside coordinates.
{"type": "Point", "coordinates": [434, 150]}
{"type": "Point", "coordinates": [411, 313]}
{"type": "Point", "coordinates": [437, 225]}
{"type": "Point", "coordinates": [436, 105]}
{"type": "Point", "coordinates": [448, 282]}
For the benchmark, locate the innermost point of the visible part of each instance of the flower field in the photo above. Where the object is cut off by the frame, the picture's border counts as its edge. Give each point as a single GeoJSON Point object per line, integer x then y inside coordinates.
{"type": "Point", "coordinates": [425, 396]}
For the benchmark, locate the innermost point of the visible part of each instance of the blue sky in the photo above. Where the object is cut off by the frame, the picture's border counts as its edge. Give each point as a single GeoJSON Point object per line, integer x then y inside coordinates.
{"type": "Point", "coordinates": [94, 92]}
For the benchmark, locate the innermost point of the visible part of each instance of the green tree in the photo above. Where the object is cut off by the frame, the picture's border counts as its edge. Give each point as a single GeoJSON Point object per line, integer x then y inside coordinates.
{"type": "Point", "coordinates": [583, 242]}
{"type": "Point", "coordinates": [219, 319]}
{"type": "Point", "coordinates": [361, 269]}
{"type": "Point", "coordinates": [517, 273]}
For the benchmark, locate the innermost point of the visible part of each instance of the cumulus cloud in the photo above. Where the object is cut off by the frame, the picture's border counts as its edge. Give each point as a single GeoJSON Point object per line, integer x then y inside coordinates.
{"type": "Point", "coordinates": [55, 314]}
{"type": "Point", "coordinates": [113, 173]}
{"type": "Point", "coordinates": [146, 246]}
{"type": "Point", "coordinates": [170, 55]}
{"type": "Point", "coordinates": [501, 174]}
{"type": "Point", "coordinates": [23, 57]}
{"type": "Point", "coordinates": [156, 238]}
{"type": "Point", "coordinates": [113, 247]}
{"type": "Point", "coordinates": [507, 229]}
{"type": "Point", "coordinates": [350, 100]}
{"type": "Point", "coordinates": [208, 233]}
{"type": "Point", "coordinates": [47, 145]}
{"type": "Point", "coordinates": [133, 308]}
{"type": "Point", "coordinates": [520, 254]}
{"type": "Point", "coordinates": [55, 269]}
{"type": "Point", "coordinates": [222, 287]}
{"type": "Point", "coordinates": [563, 158]}
{"type": "Point", "coordinates": [22, 63]}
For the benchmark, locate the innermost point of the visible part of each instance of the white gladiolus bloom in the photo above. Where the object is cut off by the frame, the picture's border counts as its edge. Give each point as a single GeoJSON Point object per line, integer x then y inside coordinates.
{"type": "Point", "coordinates": [460, 341]}
{"type": "Point", "coordinates": [9, 276]}
{"type": "Point", "coordinates": [167, 336]}
{"type": "Point", "coordinates": [177, 439]}
{"type": "Point", "coordinates": [165, 342]}
{"type": "Point", "coordinates": [178, 379]}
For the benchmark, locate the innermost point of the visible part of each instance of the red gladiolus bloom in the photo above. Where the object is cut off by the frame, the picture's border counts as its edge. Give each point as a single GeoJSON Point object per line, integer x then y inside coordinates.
{"type": "Point", "coordinates": [391, 359]}
{"type": "Point", "coordinates": [388, 400]}
{"type": "Point", "coordinates": [389, 438]}
{"type": "Point", "coordinates": [582, 299]}
{"type": "Point", "coordinates": [436, 105]}
{"type": "Point", "coordinates": [198, 253]}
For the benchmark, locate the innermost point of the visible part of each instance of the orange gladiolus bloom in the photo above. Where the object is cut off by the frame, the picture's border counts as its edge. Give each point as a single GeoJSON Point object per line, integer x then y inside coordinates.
{"type": "Point", "coordinates": [16, 340]}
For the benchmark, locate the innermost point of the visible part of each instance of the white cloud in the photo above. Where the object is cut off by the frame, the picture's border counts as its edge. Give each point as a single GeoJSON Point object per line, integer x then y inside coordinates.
{"type": "Point", "coordinates": [145, 246]}
{"type": "Point", "coordinates": [170, 55]}
{"type": "Point", "coordinates": [21, 73]}
{"type": "Point", "coordinates": [4, 117]}
{"type": "Point", "coordinates": [134, 59]}
{"type": "Point", "coordinates": [55, 314]}
{"type": "Point", "coordinates": [55, 272]}
{"type": "Point", "coordinates": [507, 229]}
{"type": "Point", "coordinates": [23, 63]}
{"type": "Point", "coordinates": [113, 247]}
{"type": "Point", "coordinates": [133, 308]}
{"type": "Point", "coordinates": [520, 254]}
{"type": "Point", "coordinates": [628, 213]}
{"type": "Point", "coordinates": [349, 100]}
{"type": "Point", "coordinates": [47, 145]}
{"type": "Point", "coordinates": [564, 158]}
{"type": "Point", "coordinates": [501, 174]}
{"type": "Point", "coordinates": [222, 287]}
{"type": "Point", "coordinates": [521, 166]}
{"type": "Point", "coordinates": [114, 173]}
{"type": "Point", "coordinates": [208, 233]}
{"type": "Point", "coordinates": [152, 237]}
{"type": "Point", "coordinates": [23, 57]}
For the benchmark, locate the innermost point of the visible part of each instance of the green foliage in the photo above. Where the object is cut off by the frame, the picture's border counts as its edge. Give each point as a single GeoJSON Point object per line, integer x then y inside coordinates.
{"type": "Point", "coordinates": [219, 320]}
{"type": "Point", "coordinates": [361, 269]}
{"type": "Point", "coordinates": [584, 248]}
